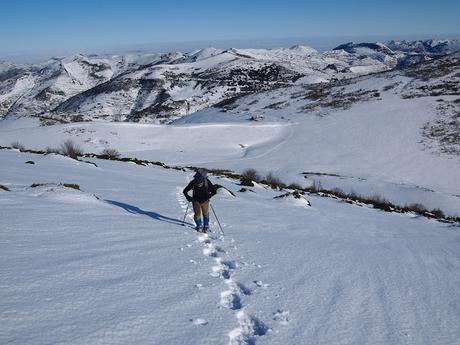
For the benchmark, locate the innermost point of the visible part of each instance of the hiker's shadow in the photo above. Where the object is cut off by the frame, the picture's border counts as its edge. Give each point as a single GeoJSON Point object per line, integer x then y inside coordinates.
{"type": "Point", "coordinates": [151, 214]}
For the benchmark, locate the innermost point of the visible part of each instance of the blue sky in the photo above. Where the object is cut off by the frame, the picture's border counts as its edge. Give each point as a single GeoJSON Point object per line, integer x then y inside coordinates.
{"type": "Point", "coordinates": [99, 24]}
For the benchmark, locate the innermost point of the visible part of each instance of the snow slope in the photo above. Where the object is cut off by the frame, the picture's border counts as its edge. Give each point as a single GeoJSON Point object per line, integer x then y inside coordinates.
{"type": "Point", "coordinates": [373, 146]}
{"type": "Point", "coordinates": [114, 263]}
{"type": "Point", "coordinates": [120, 268]}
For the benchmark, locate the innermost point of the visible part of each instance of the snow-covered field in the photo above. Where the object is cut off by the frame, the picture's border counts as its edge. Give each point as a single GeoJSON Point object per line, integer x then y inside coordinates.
{"type": "Point", "coordinates": [374, 147]}
{"type": "Point", "coordinates": [120, 268]}
{"type": "Point", "coordinates": [113, 262]}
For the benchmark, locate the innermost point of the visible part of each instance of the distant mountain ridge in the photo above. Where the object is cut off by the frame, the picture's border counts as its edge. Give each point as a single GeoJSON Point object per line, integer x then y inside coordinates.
{"type": "Point", "coordinates": [160, 88]}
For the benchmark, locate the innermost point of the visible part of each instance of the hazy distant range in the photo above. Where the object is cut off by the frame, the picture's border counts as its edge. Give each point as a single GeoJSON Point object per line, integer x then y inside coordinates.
{"type": "Point", "coordinates": [319, 43]}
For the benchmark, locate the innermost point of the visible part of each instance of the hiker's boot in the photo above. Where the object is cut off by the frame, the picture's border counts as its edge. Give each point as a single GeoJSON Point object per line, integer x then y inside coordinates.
{"type": "Point", "coordinates": [198, 224]}
{"type": "Point", "coordinates": [205, 223]}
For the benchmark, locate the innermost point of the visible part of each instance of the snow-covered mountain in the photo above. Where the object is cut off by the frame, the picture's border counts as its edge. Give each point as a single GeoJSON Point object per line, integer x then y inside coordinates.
{"type": "Point", "coordinates": [161, 88]}
{"type": "Point", "coordinates": [394, 133]}
{"type": "Point", "coordinates": [96, 251]}
{"type": "Point", "coordinates": [411, 52]}
{"type": "Point", "coordinates": [429, 47]}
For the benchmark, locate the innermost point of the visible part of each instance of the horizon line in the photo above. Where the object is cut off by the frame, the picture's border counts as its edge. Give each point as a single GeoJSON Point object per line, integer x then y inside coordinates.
{"type": "Point", "coordinates": [163, 47]}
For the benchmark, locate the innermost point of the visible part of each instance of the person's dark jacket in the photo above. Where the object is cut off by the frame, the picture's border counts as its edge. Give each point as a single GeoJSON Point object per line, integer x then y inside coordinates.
{"type": "Point", "coordinates": [200, 194]}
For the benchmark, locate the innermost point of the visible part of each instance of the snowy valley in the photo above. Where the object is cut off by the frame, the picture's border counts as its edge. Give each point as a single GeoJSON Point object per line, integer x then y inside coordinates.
{"type": "Point", "coordinates": [157, 88]}
{"type": "Point", "coordinates": [95, 250]}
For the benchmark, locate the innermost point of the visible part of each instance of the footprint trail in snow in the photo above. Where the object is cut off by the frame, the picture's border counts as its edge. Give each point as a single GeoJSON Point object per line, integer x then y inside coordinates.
{"type": "Point", "coordinates": [249, 328]}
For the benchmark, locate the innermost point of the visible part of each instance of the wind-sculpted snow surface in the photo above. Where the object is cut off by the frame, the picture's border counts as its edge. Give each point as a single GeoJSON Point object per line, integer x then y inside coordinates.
{"type": "Point", "coordinates": [113, 263]}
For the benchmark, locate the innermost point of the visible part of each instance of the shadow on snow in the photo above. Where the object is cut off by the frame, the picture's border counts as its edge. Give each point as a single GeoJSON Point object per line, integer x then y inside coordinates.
{"type": "Point", "coordinates": [151, 214]}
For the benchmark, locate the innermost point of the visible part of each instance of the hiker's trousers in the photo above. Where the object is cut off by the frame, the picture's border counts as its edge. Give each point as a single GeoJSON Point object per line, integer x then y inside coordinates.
{"type": "Point", "coordinates": [199, 208]}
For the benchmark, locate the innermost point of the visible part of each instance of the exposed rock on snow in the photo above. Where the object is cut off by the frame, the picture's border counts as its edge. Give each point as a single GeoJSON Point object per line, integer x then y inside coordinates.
{"type": "Point", "coordinates": [161, 88]}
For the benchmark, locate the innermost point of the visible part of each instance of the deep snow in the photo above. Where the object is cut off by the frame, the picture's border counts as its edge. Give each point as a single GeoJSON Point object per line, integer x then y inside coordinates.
{"type": "Point", "coordinates": [373, 148]}
{"type": "Point", "coordinates": [120, 268]}
{"type": "Point", "coordinates": [113, 263]}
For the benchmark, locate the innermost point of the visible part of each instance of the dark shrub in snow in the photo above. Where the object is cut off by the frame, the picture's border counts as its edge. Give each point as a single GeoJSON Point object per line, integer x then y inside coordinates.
{"type": "Point", "coordinates": [251, 174]}
{"type": "Point", "coordinates": [110, 153]}
{"type": "Point", "coordinates": [274, 181]}
{"type": "Point", "coordinates": [245, 181]}
{"type": "Point", "coordinates": [437, 213]}
{"type": "Point", "coordinates": [17, 145]}
{"type": "Point", "coordinates": [69, 148]}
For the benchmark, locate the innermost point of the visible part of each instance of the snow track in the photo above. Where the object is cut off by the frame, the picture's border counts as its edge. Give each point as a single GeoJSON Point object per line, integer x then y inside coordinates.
{"type": "Point", "coordinates": [235, 293]}
{"type": "Point", "coordinates": [79, 270]}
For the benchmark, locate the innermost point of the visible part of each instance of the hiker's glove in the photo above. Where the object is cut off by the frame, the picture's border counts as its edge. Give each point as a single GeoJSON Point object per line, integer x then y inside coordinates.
{"type": "Point", "coordinates": [189, 198]}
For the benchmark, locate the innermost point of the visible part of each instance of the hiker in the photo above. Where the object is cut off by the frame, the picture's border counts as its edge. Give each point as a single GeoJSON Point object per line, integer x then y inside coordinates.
{"type": "Point", "coordinates": [203, 190]}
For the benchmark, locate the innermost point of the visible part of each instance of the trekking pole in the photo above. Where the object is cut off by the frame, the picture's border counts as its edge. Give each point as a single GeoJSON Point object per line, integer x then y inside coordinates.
{"type": "Point", "coordinates": [185, 215]}
{"type": "Point", "coordinates": [215, 215]}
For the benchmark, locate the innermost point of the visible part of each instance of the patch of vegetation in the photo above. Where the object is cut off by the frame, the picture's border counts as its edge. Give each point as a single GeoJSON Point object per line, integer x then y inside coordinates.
{"type": "Point", "coordinates": [437, 213]}
{"type": "Point", "coordinates": [316, 187]}
{"type": "Point", "coordinates": [429, 70]}
{"type": "Point", "coordinates": [319, 174]}
{"type": "Point", "coordinates": [296, 194]}
{"type": "Point", "coordinates": [418, 208]}
{"type": "Point", "coordinates": [66, 185]}
{"type": "Point", "coordinates": [71, 185]}
{"type": "Point", "coordinates": [228, 103]}
{"type": "Point", "coordinates": [380, 203]}
{"type": "Point", "coordinates": [77, 118]}
{"type": "Point", "coordinates": [294, 186]}
{"type": "Point", "coordinates": [245, 181]}
{"type": "Point", "coordinates": [273, 181]}
{"type": "Point", "coordinates": [443, 133]}
{"type": "Point", "coordinates": [70, 149]}
{"type": "Point", "coordinates": [110, 153]}
{"type": "Point", "coordinates": [329, 95]}
{"type": "Point", "coordinates": [49, 150]}
{"type": "Point", "coordinates": [88, 162]}
{"type": "Point", "coordinates": [2, 187]}
{"type": "Point", "coordinates": [251, 174]}
{"type": "Point", "coordinates": [285, 195]}
{"type": "Point", "coordinates": [444, 88]}
{"type": "Point", "coordinates": [135, 161]}
{"type": "Point", "coordinates": [35, 185]}
{"type": "Point", "coordinates": [277, 105]}
{"type": "Point", "coordinates": [30, 162]}
{"type": "Point", "coordinates": [389, 87]}
{"type": "Point", "coordinates": [221, 172]}
{"type": "Point", "coordinates": [17, 145]}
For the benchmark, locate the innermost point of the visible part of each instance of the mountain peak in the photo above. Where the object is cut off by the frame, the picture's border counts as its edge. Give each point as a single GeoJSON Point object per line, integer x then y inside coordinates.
{"type": "Point", "coordinates": [429, 46]}
{"type": "Point", "coordinates": [303, 49]}
{"type": "Point", "coordinates": [352, 47]}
